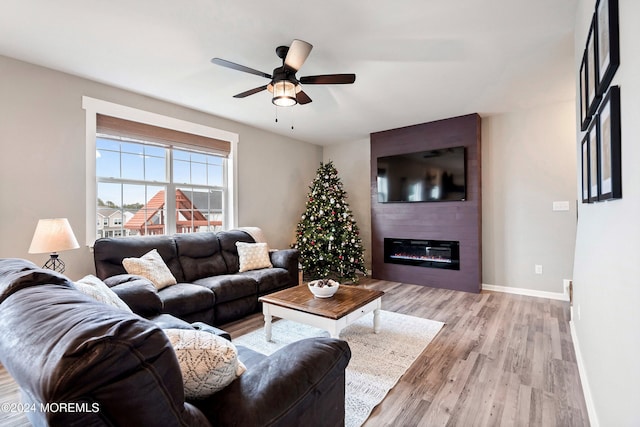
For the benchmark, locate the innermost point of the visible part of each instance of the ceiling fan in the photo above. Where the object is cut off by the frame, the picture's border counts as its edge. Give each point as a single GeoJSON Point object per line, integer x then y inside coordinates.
{"type": "Point", "coordinates": [285, 87]}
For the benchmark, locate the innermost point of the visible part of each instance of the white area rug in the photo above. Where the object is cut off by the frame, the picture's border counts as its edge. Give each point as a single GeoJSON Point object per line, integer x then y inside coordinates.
{"type": "Point", "coordinates": [377, 361]}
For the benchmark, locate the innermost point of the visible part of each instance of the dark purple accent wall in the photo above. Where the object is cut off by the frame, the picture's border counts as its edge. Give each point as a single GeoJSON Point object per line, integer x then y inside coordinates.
{"type": "Point", "coordinates": [460, 220]}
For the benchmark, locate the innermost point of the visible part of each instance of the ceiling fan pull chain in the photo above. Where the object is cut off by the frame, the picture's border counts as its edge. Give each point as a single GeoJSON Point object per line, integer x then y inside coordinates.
{"type": "Point", "coordinates": [276, 113]}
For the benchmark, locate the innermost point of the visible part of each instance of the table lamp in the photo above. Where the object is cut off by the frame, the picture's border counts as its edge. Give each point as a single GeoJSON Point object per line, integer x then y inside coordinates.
{"type": "Point", "coordinates": [52, 236]}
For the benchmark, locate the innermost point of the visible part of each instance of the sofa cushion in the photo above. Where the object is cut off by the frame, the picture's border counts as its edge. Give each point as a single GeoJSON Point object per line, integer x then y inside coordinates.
{"type": "Point", "coordinates": [269, 279]}
{"type": "Point", "coordinates": [208, 362]}
{"type": "Point", "coordinates": [229, 287]}
{"type": "Point", "coordinates": [95, 288]}
{"type": "Point", "coordinates": [253, 256]}
{"type": "Point", "coordinates": [108, 253]}
{"type": "Point", "coordinates": [233, 310]}
{"type": "Point", "coordinates": [186, 298]}
{"type": "Point", "coordinates": [200, 255]}
{"type": "Point", "coordinates": [151, 266]}
{"type": "Point", "coordinates": [228, 241]}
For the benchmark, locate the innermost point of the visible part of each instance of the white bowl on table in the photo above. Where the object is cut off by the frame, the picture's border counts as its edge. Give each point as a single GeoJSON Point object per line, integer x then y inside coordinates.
{"type": "Point", "coordinates": [326, 291]}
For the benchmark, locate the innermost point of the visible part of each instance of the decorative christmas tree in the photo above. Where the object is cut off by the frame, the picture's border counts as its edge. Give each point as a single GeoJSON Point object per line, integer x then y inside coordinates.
{"type": "Point", "coordinates": [327, 235]}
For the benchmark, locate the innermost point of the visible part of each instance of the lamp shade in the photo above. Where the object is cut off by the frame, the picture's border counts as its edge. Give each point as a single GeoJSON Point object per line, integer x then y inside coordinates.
{"type": "Point", "coordinates": [284, 94]}
{"type": "Point", "coordinates": [53, 235]}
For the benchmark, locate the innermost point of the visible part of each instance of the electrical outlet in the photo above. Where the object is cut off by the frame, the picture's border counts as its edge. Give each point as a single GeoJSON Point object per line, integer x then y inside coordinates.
{"type": "Point", "coordinates": [561, 206]}
{"type": "Point", "coordinates": [538, 269]}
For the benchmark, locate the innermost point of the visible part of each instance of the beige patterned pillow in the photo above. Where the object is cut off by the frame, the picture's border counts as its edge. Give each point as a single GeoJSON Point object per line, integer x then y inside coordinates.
{"type": "Point", "coordinates": [95, 288]}
{"type": "Point", "coordinates": [151, 266]}
{"type": "Point", "coordinates": [253, 256]}
{"type": "Point", "coordinates": [208, 362]}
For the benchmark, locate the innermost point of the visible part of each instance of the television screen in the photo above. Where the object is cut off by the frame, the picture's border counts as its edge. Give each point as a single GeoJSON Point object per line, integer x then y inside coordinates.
{"type": "Point", "coordinates": [426, 176]}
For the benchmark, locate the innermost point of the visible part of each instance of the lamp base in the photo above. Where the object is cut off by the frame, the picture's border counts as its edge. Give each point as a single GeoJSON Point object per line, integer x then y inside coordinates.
{"type": "Point", "coordinates": [54, 263]}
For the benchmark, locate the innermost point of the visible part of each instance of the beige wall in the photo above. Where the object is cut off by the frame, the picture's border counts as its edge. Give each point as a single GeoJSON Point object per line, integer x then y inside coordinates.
{"type": "Point", "coordinates": [42, 165]}
{"type": "Point", "coordinates": [607, 259]}
{"type": "Point", "coordinates": [353, 165]}
{"type": "Point", "coordinates": [528, 162]}
{"type": "Point", "coordinates": [274, 175]}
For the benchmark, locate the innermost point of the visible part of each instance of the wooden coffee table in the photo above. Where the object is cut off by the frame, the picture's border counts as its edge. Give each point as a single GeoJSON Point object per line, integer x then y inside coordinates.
{"type": "Point", "coordinates": [331, 314]}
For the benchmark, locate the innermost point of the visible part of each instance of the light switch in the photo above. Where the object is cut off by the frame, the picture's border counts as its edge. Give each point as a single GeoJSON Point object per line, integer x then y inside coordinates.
{"type": "Point", "coordinates": [561, 206]}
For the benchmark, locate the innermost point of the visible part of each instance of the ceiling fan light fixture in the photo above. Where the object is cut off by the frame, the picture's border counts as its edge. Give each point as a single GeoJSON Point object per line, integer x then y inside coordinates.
{"type": "Point", "coordinates": [284, 85]}
{"type": "Point", "coordinates": [284, 93]}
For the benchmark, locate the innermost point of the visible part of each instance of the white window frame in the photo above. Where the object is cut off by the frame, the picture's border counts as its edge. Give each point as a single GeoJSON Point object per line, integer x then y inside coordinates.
{"type": "Point", "coordinates": [93, 106]}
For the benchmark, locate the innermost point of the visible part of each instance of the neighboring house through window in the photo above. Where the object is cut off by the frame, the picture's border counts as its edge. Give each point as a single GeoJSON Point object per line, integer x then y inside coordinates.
{"type": "Point", "coordinates": [152, 177]}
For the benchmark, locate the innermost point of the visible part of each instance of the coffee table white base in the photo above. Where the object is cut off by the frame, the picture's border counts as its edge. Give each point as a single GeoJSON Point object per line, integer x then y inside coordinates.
{"type": "Point", "coordinates": [334, 326]}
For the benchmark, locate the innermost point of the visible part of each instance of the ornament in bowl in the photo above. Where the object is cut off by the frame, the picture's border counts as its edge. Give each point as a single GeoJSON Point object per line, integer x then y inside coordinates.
{"type": "Point", "coordinates": [323, 288]}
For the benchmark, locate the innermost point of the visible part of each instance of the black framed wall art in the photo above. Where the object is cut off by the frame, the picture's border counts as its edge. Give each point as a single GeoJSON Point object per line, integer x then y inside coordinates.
{"type": "Point", "coordinates": [585, 118]}
{"type": "Point", "coordinates": [586, 194]}
{"type": "Point", "coordinates": [599, 105]}
{"type": "Point", "coordinates": [591, 55]}
{"type": "Point", "coordinates": [609, 146]}
{"type": "Point", "coordinates": [594, 156]}
{"type": "Point", "coordinates": [608, 42]}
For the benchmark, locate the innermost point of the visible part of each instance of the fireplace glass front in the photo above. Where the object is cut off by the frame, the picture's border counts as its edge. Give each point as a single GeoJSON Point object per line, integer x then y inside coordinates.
{"type": "Point", "coordinates": [423, 253]}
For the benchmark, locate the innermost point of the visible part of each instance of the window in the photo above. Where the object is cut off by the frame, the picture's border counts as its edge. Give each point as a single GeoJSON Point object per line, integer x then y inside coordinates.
{"type": "Point", "coordinates": [135, 180]}
{"type": "Point", "coordinates": [153, 177]}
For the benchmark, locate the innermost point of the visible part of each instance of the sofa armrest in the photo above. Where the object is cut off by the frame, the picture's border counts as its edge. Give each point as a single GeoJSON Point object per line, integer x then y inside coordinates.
{"type": "Point", "coordinates": [201, 326]}
{"type": "Point", "coordinates": [287, 259]}
{"type": "Point", "coordinates": [137, 292]}
{"type": "Point", "coordinates": [168, 321]}
{"type": "Point", "coordinates": [297, 385]}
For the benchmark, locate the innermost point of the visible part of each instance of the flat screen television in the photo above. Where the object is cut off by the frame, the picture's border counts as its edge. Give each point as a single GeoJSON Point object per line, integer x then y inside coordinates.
{"type": "Point", "coordinates": [425, 176]}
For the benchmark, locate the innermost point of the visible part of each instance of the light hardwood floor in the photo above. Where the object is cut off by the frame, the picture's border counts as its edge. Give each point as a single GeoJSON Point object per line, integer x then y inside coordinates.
{"type": "Point", "coordinates": [500, 360]}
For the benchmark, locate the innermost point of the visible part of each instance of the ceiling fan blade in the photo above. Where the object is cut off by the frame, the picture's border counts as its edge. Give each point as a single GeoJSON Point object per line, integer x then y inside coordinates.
{"type": "Point", "coordinates": [298, 52]}
{"type": "Point", "coordinates": [238, 67]}
{"type": "Point", "coordinates": [303, 98]}
{"type": "Point", "coordinates": [329, 79]}
{"type": "Point", "coordinates": [250, 92]}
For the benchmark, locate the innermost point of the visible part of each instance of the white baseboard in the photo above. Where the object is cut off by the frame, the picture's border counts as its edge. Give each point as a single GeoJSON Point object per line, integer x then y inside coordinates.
{"type": "Point", "coordinates": [562, 296]}
{"type": "Point", "coordinates": [586, 390]}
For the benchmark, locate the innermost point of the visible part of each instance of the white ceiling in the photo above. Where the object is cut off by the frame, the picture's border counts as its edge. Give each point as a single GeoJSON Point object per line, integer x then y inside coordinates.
{"type": "Point", "coordinates": [415, 60]}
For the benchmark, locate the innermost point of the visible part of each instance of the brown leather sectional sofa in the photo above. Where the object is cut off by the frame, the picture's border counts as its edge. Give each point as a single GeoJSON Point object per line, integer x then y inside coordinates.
{"type": "Point", "coordinates": [82, 362]}
{"type": "Point", "coordinates": [210, 289]}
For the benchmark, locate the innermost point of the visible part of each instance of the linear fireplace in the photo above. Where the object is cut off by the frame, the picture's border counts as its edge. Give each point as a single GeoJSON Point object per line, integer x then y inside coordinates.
{"type": "Point", "coordinates": [423, 253]}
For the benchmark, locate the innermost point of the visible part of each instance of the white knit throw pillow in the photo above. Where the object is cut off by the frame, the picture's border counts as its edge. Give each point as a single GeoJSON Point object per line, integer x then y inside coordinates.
{"type": "Point", "coordinates": [151, 266]}
{"type": "Point", "coordinates": [208, 362]}
{"type": "Point", "coordinates": [95, 288]}
{"type": "Point", "coordinates": [253, 256]}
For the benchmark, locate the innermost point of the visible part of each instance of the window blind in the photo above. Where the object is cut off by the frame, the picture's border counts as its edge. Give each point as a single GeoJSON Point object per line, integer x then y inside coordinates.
{"type": "Point", "coordinates": [141, 131]}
